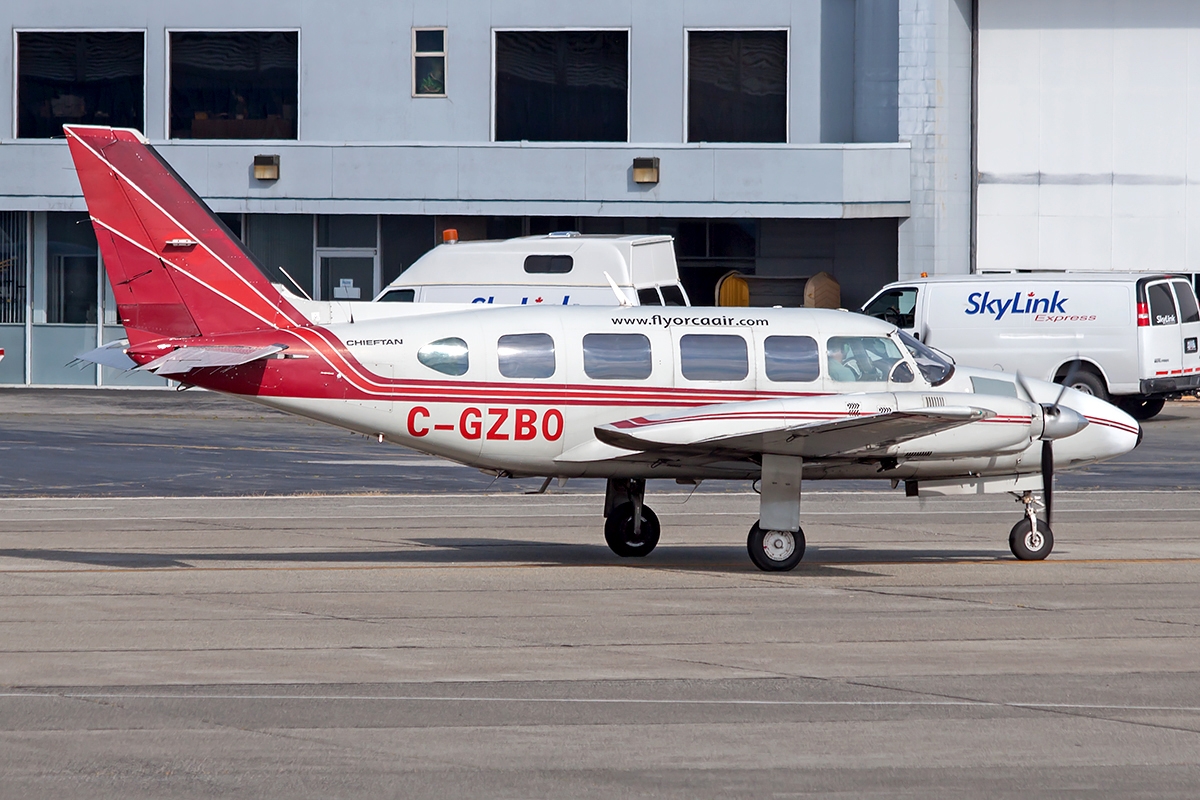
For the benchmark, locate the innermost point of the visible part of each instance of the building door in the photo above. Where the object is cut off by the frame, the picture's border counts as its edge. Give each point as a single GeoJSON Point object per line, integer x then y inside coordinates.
{"type": "Point", "coordinates": [348, 277]}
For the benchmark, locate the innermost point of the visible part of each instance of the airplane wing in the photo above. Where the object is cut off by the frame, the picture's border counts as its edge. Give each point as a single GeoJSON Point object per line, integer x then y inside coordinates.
{"type": "Point", "coordinates": [808, 427]}
{"type": "Point", "coordinates": [184, 359]}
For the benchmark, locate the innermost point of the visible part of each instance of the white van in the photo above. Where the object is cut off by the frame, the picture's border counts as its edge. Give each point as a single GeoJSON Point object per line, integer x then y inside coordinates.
{"type": "Point", "coordinates": [1133, 334]}
{"type": "Point", "coordinates": [565, 268]}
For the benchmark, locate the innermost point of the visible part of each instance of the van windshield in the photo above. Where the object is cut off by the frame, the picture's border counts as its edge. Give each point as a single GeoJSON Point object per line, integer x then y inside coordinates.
{"type": "Point", "coordinates": [936, 367]}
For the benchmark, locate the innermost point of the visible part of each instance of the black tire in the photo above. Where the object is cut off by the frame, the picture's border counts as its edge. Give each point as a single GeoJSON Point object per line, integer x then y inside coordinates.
{"type": "Point", "coordinates": [1088, 383]}
{"type": "Point", "coordinates": [775, 551]}
{"type": "Point", "coordinates": [1141, 408]}
{"type": "Point", "coordinates": [618, 531]}
{"type": "Point", "coordinates": [1027, 547]}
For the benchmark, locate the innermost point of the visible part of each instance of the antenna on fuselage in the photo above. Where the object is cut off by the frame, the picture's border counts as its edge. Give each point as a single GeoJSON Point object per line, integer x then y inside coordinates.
{"type": "Point", "coordinates": [294, 283]}
{"type": "Point", "coordinates": [621, 298]}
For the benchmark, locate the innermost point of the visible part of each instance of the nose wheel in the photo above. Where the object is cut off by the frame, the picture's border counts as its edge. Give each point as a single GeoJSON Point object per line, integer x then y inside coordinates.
{"type": "Point", "coordinates": [1031, 542]}
{"type": "Point", "coordinates": [775, 551]}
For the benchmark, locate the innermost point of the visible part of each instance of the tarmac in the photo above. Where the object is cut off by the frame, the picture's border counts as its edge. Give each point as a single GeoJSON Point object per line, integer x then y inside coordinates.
{"type": "Point", "coordinates": [460, 641]}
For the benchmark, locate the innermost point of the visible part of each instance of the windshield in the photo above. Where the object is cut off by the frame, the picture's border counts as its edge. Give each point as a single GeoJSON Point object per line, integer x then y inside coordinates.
{"type": "Point", "coordinates": [936, 367]}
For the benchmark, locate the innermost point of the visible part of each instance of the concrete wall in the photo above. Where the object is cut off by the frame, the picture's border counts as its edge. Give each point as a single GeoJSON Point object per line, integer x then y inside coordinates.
{"type": "Point", "coordinates": [433, 155]}
{"type": "Point", "coordinates": [1089, 135]}
{"type": "Point", "coordinates": [935, 117]}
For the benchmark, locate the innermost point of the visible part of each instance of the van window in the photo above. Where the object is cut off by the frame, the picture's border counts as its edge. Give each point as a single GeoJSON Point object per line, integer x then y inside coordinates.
{"type": "Point", "coordinates": [713, 357]}
{"type": "Point", "coordinates": [1162, 305]}
{"type": "Point", "coordinates": [861, 358]}
{"type": "Point", "coordinates": [1188, 312]}
{"type": "Point", "coordinates": [399, 296]}
{"type": "Point", "coordinates": [447, 356]}
{"type": "Point", "coordinates": [672, 295]}
{"type": "Point", "coordinates": [649, 297]}
{"type": "Point", "coordinates": [617, 356]}
{"type": "Point", "coordinates": [548, 265]}
{"type": "Point", "coordinates": [895, 306]}
{"type": "Point", "coordinates": [526, 355]}
{"type": "Point", "coordinates": [792, 358]}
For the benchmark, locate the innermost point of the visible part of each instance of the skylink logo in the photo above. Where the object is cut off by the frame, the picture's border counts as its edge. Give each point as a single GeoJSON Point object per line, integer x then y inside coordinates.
{"type": "Point", "coordinates": [984, 303]}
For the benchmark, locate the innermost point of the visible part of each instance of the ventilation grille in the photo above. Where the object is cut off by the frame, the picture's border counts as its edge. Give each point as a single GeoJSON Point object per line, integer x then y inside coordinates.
{"type": "Point", "coordinates": [884, 410]}
{"type": "Point", "coordinates": [920, 454]}
{"type": "Point", "coordinates": [935, 402]}
{"type": "Point", "coordinates": [853, 409]}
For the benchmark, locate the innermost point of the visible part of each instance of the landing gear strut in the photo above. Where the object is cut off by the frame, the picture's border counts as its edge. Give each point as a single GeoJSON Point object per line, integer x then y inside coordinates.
{"type": "Point", "coordinates": [631, 529]}
{"type": "Point", "coordinates": [1030, 539]}
{"type": "Point", "coordinates": [776, 543]}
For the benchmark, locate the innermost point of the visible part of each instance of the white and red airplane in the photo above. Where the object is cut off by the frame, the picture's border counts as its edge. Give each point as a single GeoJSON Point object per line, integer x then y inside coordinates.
{"type": "Point", "coordinates": [625, 394]}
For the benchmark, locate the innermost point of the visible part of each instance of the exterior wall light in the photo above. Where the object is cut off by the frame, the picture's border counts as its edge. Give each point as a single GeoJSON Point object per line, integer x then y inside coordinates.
{"type": "Point", "coordinates": [266, 168]}
{"type": "Point", "coordinates": [645, 170]}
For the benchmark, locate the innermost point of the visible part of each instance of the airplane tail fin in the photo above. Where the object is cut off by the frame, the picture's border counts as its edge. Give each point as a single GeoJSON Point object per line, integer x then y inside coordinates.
{"type": "Point", "coordinates": [175, 269]}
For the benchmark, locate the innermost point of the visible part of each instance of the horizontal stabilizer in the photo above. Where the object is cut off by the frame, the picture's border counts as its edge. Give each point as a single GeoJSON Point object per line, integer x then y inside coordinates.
{"type": "Point", "coordinates": [185, 359]}
{"type": "Point", "coordinates": [110, 355]}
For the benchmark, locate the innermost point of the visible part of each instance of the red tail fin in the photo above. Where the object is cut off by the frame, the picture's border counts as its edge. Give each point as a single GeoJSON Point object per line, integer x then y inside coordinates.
{"type": "Point", "coordinates": [175, 270]}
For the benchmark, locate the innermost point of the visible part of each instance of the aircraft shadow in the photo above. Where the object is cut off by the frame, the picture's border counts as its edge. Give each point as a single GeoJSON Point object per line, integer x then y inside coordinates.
{"type": "Point", "coordinates": [819, 561]}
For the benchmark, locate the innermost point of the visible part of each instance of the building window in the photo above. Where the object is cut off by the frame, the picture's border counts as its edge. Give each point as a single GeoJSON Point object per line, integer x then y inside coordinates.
{"type": "Point", "coordinates": [12, 266]}
{"type": "Point", "coordinates": [429, 62]}
{"type": "Point", "coordinates": [562, 86]}
{"type": "Point", "coordinates": [72, 270]}
{"type": "Point", "coordinates": [93, 78]}
{"type": "Point", "coordinates": [737, 86]}
{"type": "Point", "coordinates": [234, 85]}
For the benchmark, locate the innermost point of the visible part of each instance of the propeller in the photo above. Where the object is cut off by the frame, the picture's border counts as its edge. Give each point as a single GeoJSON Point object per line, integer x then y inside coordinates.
{"type": "Point", "coordinates": [1057, 422]}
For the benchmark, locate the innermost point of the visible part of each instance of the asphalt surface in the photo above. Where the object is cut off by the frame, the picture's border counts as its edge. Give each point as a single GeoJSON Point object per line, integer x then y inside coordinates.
{"type": "Point", "coordinates": [139, 443]}
{"type": "Point", "coordinates": [454, 642]}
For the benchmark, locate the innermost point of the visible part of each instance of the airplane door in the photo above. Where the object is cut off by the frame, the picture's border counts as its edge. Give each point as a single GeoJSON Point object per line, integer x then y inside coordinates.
{"type": "Point", "coordinates": [1161, 340]}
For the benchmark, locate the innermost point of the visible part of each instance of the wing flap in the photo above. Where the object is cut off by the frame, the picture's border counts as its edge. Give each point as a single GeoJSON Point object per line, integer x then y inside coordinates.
{"type": "Point", "coordinates": [810, 427]}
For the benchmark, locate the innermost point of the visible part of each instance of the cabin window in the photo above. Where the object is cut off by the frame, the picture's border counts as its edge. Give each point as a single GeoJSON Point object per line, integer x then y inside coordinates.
{"type": "Point", "coordinates": [526, 355]}
{"type": "Point", "coordinates": [792, 358]}
{"type": "Point", "coordinates": [672, 296]}
{"type": "Point", "coordinates": [1188, 312]}
{"type": "Point", "coordinates": [1162, 305]}
{"type": "Point", "coordinates": [617, 356]}
{"type": "Point", "coordinates": [399, 296]}
{"type": "Point", "coordinates": [861, 358]}
{"type": "Point", "coordinates": [548, 265]}
{"type": "Point", "coordinates": [713, 357]}
{"type": "Point", "coordinates": [649, 297]}
{"type": "Point", "coordinates": [447, 356]}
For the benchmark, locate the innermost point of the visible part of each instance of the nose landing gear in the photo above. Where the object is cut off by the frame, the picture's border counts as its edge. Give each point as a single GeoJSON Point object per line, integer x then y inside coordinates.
{"type": "Point", "coordinates": [1030, 539]}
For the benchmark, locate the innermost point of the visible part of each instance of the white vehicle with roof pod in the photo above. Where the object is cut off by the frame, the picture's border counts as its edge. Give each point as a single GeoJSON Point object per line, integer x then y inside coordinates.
{"type": "Point", "coordinates": [563, 268]}
{"type": "Point", "coordinates": [1131, 337]}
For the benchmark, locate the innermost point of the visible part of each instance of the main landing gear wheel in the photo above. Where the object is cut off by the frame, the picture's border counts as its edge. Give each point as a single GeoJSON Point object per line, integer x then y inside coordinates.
{"type": "Point", "coordinates": [775, 551]}
{"type": "Point", "coordinates": [618, 531]}
{"type": "Point", "coordinates": [1028, 544]}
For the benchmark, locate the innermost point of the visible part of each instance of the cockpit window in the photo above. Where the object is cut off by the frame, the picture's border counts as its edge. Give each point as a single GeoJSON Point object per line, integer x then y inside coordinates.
{"type": "Point", "coordinates": [861, 358]}
{"type": "Point", "coordinates": [447, 356]}
{"type": "Point", "coordinates": [935, 366]}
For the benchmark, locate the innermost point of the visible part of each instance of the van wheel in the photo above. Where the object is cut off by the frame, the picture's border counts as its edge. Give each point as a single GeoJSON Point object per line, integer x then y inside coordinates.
{"type": "Point", "coordinates": [1141, 408]}
{"type": "Point", "coordinates": [1088, 383]}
